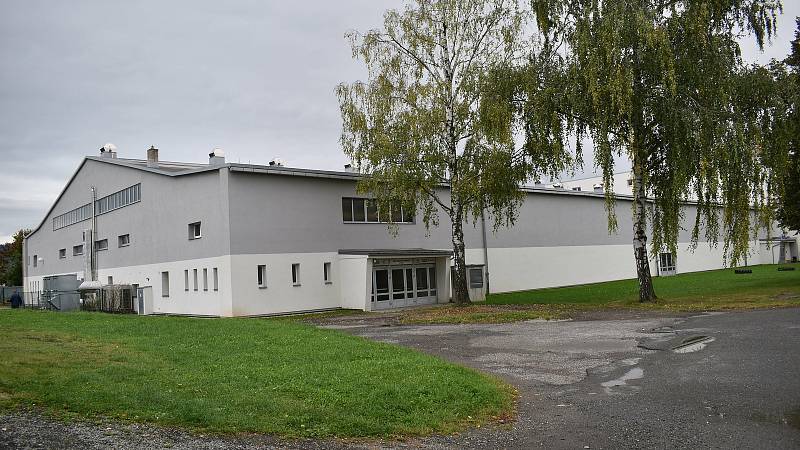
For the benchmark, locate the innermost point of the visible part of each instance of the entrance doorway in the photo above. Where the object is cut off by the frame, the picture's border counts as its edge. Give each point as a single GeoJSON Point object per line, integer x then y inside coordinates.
{"type": "Point", "coordinates": [403, 282]}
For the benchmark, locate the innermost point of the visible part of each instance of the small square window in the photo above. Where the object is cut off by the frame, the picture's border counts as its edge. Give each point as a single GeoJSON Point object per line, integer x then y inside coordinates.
{"type": "Point", "coordinates": [101, 244]}
{"type": "Point", "coordinates": [186, 280]}
{"type": "Point", "coordinates": [62, 253]}
{"type": "Point", "coordinates": [194, 274]}
{"type": "Point", "coordinates": [326, 272]}
{"type": "Point", "coordinates": [296, 274]}
{"type": "Point", "coordinates": [110, 279]}
{"type": "Point", "coordinates": [35, 260]}
{"type": "Point", "coordinates": [205, 279]}
{"type": "Point", "coordinates": [124, 240]}
{"type": "Point", "coordinates": [77, 250]}
{"type": "Point", "coordinates": [262, 276]}
{"type": "Point", "coordinates": [216, 279]}
{"type": "Point", "coordinates": [194, 231]}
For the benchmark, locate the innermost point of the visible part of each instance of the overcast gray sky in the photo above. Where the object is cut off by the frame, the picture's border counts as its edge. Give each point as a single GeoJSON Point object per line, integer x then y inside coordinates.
{"type": "Point", "coordinates": [253, 77]}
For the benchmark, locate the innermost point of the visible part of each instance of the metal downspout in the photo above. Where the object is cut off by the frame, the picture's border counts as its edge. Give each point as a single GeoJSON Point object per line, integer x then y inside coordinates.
{"type": "Point", "coordinates": [93, 250]}
{"type": "Point", "coordinates": [485, 251]}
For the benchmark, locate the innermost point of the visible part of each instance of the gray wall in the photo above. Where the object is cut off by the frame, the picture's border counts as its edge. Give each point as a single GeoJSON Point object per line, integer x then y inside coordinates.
{"type": "Point", "coordinates": [158, 224]}
{"type": "Point", "coordinates": [273, 213]}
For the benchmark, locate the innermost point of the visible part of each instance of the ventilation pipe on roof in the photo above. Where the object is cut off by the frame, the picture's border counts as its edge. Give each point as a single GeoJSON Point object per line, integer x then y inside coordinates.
{"type": "Point", "coordinates": [109, 150]}
{"type": "Point", "coordinates": [152, 157]}
{"type": "Point", "coordinates": [216, 157]}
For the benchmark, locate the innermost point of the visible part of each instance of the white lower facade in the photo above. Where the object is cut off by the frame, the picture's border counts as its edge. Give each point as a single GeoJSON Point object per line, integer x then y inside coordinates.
{"type": "Point", "coordinates": [265, 284]}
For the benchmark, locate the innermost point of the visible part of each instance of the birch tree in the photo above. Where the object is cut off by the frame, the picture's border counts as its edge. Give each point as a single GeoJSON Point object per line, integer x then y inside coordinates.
{"type": "Point", "coordinates": [663, 83]}
{"type": "Point", "coordinates": [422, 129]}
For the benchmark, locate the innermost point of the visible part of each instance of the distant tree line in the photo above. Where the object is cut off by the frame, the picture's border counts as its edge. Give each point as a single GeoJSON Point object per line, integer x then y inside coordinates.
{"type": "Point", "coordinates": [11, 260]}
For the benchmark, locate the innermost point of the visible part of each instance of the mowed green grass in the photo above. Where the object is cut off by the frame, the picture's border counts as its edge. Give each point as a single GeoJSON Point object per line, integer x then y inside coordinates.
{"type": "Point", "coordinates": [715, 290]}
{"type": "Point", "coordinates": [235, 375]}
{"type": "Point", "coordinates": [697, 287]}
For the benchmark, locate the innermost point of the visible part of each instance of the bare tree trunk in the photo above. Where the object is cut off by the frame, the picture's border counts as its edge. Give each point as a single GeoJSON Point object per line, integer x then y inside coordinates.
{"type": "Point", "coordinates": [646, 291]}
{"type": "Point", "coordinates": [460, 294]}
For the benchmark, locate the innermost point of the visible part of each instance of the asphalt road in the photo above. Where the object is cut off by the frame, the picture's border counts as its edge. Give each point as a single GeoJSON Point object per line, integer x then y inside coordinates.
{"type": "Point", "coordinates": [620, 384]}
{"type": "Point", "coordinates": [611, 383]}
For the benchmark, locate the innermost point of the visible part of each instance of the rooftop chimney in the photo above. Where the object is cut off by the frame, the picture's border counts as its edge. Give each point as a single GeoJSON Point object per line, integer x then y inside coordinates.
{"type": "Point", "coordinates": [216, 157]}
{"type": "Point", "coordinates": [152, 157]}
{"type": "Point", "coordinates": [109, 150]}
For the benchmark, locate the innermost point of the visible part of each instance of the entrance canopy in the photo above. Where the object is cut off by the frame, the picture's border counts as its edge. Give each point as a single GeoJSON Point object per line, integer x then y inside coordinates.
{"type": "Point", "coordinates": [397, 278]}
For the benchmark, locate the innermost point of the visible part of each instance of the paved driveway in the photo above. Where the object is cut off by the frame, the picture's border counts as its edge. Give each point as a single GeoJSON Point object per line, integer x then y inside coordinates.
{"type": "Point", "coordinates": [620, 384]}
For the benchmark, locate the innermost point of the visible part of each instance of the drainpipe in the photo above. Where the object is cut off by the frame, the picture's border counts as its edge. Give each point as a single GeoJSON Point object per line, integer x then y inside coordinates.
{"type": "Point", "coordinates": [485, 251]}
{"type": "Point", "coordinates": [92, 250]}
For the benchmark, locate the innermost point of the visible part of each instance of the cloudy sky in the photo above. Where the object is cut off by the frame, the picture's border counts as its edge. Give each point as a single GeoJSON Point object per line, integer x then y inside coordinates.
{"type": "Point", "coordinates": [253, 77]}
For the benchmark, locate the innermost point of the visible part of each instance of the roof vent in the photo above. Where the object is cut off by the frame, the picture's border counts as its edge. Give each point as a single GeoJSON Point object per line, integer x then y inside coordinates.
{"type": "Point", "coordinates": [276, 162]}
{"type": "Point", "coordinates": [152, 157]}
{"type": "Point", "coordinates": [216, 157]}
{"type": "Point", "coordinates": [108, 150]}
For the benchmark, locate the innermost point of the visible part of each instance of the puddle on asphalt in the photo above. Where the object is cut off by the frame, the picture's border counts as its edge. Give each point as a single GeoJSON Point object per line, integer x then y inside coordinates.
{"type": "Point", "coordinates": [633, 374]}
{"type": "Point", "coordinates": [693, 344]}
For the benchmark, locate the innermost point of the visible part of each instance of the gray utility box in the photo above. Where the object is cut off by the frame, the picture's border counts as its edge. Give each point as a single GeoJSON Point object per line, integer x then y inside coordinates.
{"type": "Point", "coordinates": [61, 292]}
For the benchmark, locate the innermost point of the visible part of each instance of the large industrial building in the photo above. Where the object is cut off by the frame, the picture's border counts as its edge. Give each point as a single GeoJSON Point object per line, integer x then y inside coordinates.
{"type": "Point", "coordinates": [226, 239]}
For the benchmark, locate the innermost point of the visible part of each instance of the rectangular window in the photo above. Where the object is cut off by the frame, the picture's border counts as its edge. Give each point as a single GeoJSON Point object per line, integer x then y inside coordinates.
{"type": "Point", "coordinates": [35, 260]}
{"type": "Point", "coordinates": [165, 284]}
{"type": "Point", "coordinates": [186, 280]}
{"type": "Point", "coordinates": [216, 279]}
{"type": "Point", "coordinates": [194, 231]}
{"type": "Point", "coordinates": [205, 279]}
{"type": "Point", "coordinates": [102, 244]}
{"type": "Point", "coordinates": [62, 253]}
{"type": "Point", "coordinates": [326, 272]}
{"type": "Point", "coordinates": [110, 279]}
{"type": "Point", "coordinates": [262, 276]}
{"type": "Point", "coordinates": [296, 274]}
{"type": "Point", "coordinates": [364, 210]}
{"type": "Point", "coordinates": [359, 210]}
{"type": "Point", "coordinates": [347, 209]}
{"type": "Point", "coordinates": [124, 240]}
{"type": "Point", "coordinates": [194, 276]}
{"type": "Point", "coordinates": [475, 278]}
{"type": "Point", "coordinates": [77, 250]}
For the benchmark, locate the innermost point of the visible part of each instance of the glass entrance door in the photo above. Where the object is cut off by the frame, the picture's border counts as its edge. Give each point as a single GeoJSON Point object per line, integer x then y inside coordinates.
{"type": "Point", "coordinates": [403, 285]}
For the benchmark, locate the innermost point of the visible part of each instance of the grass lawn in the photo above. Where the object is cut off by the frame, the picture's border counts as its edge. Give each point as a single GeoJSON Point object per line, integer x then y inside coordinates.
{"type": "Point", "coordinates": [722, 289]}
{"type": "Point", "coordinates": [235, 375]}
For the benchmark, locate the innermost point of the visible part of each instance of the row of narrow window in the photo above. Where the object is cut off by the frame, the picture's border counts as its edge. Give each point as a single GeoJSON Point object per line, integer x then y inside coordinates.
{"type": "Point", "coordinates": [262, 274]}
{"type": "Point", "coordinates": [195, 280]}
{"type": "Point", "coordinates": [119, 199]}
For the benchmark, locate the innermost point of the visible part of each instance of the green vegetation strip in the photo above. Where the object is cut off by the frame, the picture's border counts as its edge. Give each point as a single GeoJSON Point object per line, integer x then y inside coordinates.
{"type": "Point", "coordinates": [236, 375]}
{"type": "Point", "coordinates": [722, 289]}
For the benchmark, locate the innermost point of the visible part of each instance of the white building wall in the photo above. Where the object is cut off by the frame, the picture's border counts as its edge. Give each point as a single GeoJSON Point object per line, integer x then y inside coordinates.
{"type": "Point", "coordinates": [280, 294]}
{"type": "Point", "coordinates": [355, 281]}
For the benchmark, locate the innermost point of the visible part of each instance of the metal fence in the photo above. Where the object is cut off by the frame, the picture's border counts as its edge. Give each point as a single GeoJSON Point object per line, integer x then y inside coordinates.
{"type": "Point", "coordinates": [111, 299]}
{"type": "Point", "coordinates": [7, 291]}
